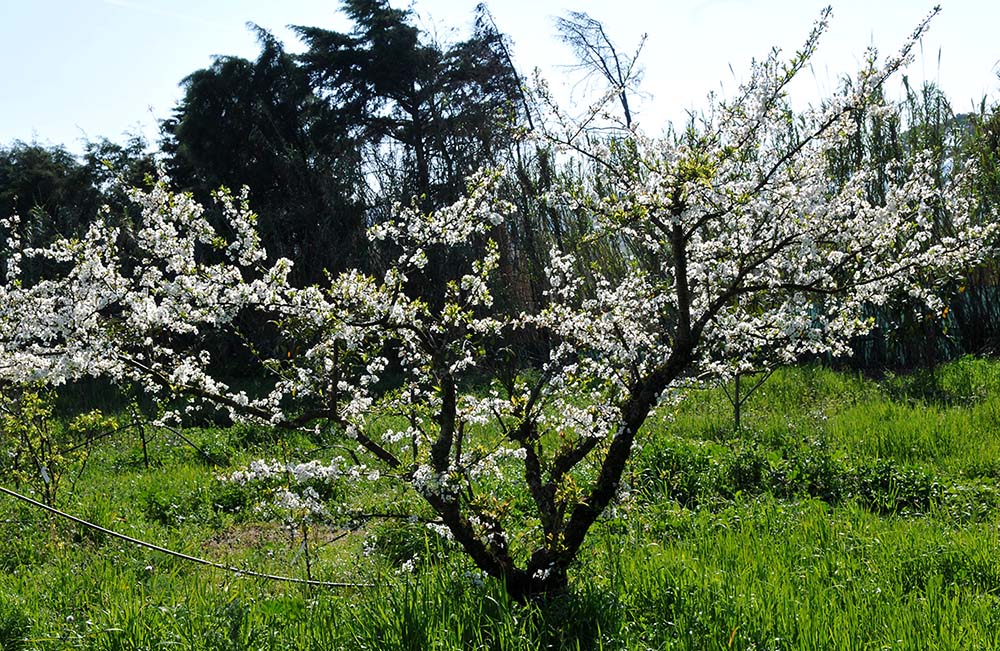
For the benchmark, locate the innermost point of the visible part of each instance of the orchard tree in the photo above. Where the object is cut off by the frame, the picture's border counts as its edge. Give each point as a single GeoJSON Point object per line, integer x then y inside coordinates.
{"type": "Point", "coordinates": [755, 249]}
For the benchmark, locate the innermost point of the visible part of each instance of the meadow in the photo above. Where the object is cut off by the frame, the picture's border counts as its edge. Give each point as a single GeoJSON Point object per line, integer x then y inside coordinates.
{"type": "Point", "coordinates": [847, 513]}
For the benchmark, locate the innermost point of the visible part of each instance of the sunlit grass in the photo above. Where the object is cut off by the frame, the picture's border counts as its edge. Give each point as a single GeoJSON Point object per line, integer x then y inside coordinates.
{"type": "Point", "coordinates": [846, 514]}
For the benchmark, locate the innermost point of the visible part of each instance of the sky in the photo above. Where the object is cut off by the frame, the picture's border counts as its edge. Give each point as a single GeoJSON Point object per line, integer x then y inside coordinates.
{"type": "Point", "coordinates": [73, 70]}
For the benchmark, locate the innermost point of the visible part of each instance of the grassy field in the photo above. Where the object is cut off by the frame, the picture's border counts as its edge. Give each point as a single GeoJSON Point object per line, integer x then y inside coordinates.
{"type": "Point", "coordinates": [848, 514]}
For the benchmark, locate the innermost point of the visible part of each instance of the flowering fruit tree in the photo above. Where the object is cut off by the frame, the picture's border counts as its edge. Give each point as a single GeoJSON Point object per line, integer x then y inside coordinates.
{"type": "Point", "coordinates": [747, 243]}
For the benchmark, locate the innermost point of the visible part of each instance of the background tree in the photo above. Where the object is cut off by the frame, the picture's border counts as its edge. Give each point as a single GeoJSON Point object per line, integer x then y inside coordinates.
{"type": "Point", "coordinates": [113, 167]}
{"type": "Point", "coordinates": [887, 138]}
{"type": "Point", "coordinates": [976, 311]}
{"type": "Point", "coordinates": [598, 56]}
{"type": "Point", "coordinates": [427, 115]}
{"type": "Point", "coordinates": [55, 194]}
{"type": "Point", "coordinates": [52, 191]}
{"type": "Point", "coordinates": [258, 123]}
{"type": "Point", "coordinates": [430, 114]}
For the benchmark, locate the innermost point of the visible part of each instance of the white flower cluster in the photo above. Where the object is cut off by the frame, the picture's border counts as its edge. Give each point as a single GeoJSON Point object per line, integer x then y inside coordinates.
{"type": "Point", "coordinates": [300, 473]}
{"type": "Point", "coordinates": [290, 488]}
{"type": "Point", "coordinates": [754, 253]}
{"type": "Point", "coordinates": [305, 505]}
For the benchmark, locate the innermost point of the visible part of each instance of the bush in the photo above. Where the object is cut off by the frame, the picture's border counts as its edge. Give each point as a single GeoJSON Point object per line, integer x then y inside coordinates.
{"type": "Point", "coordinates": [14, 625]}
{"type": "Point", "coordinates": [884, 487]}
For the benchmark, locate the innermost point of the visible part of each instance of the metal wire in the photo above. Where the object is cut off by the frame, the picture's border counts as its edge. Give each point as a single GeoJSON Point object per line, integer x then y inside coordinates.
{"type": "Point", "coordinates": [186, 557]}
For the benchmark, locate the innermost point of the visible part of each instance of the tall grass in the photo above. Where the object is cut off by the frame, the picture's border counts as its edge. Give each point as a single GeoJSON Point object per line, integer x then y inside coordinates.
{"type": "Point", "coordinates": [845, 514]}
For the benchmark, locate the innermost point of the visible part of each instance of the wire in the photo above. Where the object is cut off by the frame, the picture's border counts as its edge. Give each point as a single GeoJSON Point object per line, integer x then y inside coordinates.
{"type": "Point", "coordinates": [186, 557]}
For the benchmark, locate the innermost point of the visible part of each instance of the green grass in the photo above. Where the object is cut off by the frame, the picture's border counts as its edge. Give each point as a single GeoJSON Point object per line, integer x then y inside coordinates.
{"type": "Point", "coordinates": [847, 514]}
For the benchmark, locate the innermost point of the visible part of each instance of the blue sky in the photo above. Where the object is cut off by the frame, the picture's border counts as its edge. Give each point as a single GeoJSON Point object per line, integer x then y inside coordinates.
{"type": "Point", "coordinates": [76, 69]}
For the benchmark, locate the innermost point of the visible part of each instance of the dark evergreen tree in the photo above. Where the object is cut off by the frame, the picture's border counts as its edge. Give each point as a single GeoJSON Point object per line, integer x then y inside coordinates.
{"type": "Point", "coordinates": [258, 123]}
{"type": "Point", "coordinates": [427, 115]}
{"type": "Point", "coordinates": [49, 189]}
{"type": "Point", "coordinates": [114, 167]}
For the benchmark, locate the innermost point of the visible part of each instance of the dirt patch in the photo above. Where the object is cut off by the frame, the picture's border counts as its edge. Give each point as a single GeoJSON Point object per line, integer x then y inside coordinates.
{"type": "Point", "coordinates": [264, 535]}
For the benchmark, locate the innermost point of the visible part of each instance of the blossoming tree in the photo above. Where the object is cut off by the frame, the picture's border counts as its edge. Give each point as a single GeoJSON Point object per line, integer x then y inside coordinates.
{"type": "Point", "coordinates": [748, 247]}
